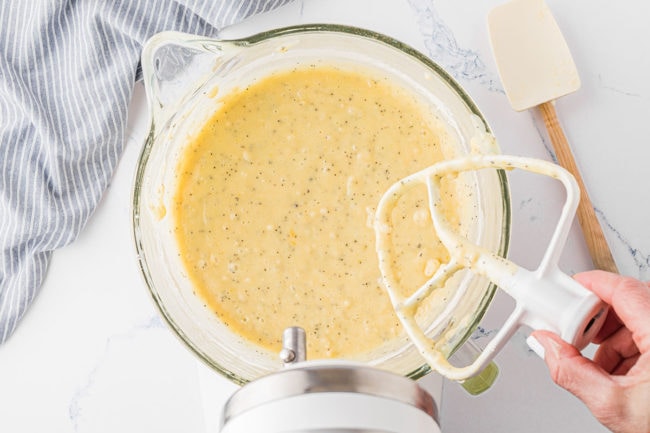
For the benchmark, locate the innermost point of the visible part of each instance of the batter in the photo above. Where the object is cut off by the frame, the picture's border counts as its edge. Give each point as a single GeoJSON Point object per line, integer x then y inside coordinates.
{"type": "Point", "coordinates": [276, 195]}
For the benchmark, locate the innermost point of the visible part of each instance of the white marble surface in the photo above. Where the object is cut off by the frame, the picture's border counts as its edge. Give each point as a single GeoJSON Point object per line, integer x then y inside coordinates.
{"type": "Point", "coordinates": [92, 355]}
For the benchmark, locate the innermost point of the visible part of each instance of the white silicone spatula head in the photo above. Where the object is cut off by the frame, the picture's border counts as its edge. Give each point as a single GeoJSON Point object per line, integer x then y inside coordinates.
{"type": "Point", "coordinates": [533, 59]}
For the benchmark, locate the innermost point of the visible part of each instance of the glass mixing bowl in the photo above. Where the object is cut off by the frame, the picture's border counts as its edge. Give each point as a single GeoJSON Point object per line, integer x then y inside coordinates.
{"type": "Point", "coordinates": [185, 76]}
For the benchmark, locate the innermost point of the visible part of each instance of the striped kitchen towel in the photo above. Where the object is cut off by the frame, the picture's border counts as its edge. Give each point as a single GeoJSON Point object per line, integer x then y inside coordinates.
{"type": "Point", "coordinates": [67, 70]}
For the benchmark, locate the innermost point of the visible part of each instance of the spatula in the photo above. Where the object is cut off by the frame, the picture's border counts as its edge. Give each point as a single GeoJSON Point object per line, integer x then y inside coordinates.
{"type": "Point", "coordinates": [536, 68]}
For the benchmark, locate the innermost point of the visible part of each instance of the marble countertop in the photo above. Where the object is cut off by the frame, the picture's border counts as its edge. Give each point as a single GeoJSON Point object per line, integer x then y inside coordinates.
{"type": "Point", "coordinates": [92, 354]}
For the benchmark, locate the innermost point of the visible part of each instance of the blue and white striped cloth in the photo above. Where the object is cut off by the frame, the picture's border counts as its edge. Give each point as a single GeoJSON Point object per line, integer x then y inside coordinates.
{"type": "Point", "coordinates": [67, 70]}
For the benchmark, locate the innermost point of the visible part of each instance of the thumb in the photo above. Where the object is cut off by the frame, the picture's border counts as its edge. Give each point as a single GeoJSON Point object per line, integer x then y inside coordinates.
{"type": "Point", "coordinates": [573, 372]}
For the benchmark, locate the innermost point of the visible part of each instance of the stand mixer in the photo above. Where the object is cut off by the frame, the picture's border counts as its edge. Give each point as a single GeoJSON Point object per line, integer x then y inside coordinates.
{"type": "Point", "coordinates": [183, 73]}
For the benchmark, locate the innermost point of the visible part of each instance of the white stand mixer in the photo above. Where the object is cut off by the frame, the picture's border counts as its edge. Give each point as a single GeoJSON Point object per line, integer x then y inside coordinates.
{"type": "Point", "coordinates": [328, 397]}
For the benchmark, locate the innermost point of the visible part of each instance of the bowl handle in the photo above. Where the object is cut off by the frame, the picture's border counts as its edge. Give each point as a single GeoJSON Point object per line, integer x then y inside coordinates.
{"type": "Point", "coordinates": [170, 73]}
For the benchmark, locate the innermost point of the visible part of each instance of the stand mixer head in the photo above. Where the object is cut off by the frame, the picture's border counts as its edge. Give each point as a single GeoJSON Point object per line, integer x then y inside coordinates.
{"type": "Point", "coordinates": [328, 397]}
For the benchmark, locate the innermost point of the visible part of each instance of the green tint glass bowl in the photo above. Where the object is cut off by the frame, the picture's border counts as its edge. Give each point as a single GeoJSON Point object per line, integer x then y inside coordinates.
{"type": "Point", "coordinates": [184, 77]}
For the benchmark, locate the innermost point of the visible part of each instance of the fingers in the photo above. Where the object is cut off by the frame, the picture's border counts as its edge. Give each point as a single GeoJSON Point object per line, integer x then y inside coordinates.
{"type": "Point", "coordinates": [575, 373]}
{"type": "Point", "coordinates": [614, 353]}
{"type": "Point", "coordinates": [610, 326]}
{"type": "Point", "coordinates": [626, 365]}
{"type": "Point", "coordinates": [618, 401]}
{"type": "Point", "coordinates": [629, 298]}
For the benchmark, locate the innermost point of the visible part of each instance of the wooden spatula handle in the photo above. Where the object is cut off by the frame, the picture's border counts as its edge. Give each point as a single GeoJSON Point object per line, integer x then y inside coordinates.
{"type": "Point", "coordinates": [601, 255]}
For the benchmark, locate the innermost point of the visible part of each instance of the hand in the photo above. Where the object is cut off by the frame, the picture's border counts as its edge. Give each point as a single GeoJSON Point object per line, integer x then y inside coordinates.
{"type": "Point", "coordinates": [615, 386]}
